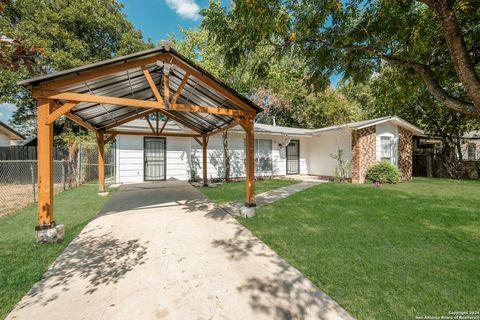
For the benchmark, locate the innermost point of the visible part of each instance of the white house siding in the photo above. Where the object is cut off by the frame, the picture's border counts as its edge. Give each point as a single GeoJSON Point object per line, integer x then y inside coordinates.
{"type": "Point", "coordinates": [129, 159]}
{"type": "Point", "coordinates": [323, 145]}
{"type": "Point", "coordinates": [184, 157]}
{"type": "Point", "coordinates": [387, 130]}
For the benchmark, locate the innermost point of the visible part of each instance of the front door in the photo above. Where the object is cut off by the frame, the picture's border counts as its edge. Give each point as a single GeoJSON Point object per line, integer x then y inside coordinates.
{"type": "Point", "coordinates": [154, 159]}
{"type": "Point", "coordinates": [293, 157]}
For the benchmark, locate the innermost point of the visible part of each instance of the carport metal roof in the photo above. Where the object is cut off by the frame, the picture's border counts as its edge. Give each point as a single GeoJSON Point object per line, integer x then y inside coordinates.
{"type": "Point", "coordinates": [103, 95]}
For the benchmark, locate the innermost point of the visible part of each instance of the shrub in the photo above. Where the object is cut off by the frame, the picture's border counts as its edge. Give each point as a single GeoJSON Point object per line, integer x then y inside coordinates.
{"type": "Point", "coordinates": [383, 172]}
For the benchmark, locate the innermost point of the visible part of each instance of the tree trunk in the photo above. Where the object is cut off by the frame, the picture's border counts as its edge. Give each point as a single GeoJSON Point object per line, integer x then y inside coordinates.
{"type": "Point", "coordinates": [457, 48]}
{"type": "Point", "coordinates": [226, 155]}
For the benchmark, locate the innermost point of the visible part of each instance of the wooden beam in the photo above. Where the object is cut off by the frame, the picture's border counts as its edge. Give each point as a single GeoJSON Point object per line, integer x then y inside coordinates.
{"type": "Point", "coordinates": [60, 111]}
{"type": "Point", "coordinates": [156, 121]}
{"type": "Point", "coordinates": [150, 81]}
{"type": "Point", "coordinates": [150, 124]}
{"type": "Point", "coordinates": [131, 118]}
{"type": "Point", "coordinates": [212, 84]}
{"type": "Point", "coordinates": [135, 103]}
{"type": "Point", "coordinates": [149, 133]}
{"type": "Point", "coordinates": [81, 97]}
{"type": "Point", "coordinates": [45, 163]}
{"type": "Point", "coordinates": [110, 137]}
{"type": "Point", "coordinates": [180, 88]}
{"type": "Point", "coordinates": [198, 140]}
{"type": "Point", "coordinates": [163, 126]}
{"type": "Point", "coordinates": [250, 165]}
{"type": "Point", "coordinates": [80, 122]}
{"type": "Point", "coordinates": [166, 90]}
{"type": "Point", "coordinates": [94, 74]}
{"type": "Point", "coordinates": [229, 126]}
{"type": "Point", "coordinates": [204, 160]}
{"type": "Point", "coordinates": [101, 162]}
{"type": "Point", "coordinates": [209, 110]}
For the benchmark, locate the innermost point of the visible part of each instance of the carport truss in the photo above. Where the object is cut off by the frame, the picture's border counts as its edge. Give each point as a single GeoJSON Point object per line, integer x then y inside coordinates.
{"type": "Point", "coordinates": [107, 94]}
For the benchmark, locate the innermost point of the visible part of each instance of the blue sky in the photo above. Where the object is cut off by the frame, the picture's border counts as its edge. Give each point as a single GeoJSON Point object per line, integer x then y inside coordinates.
{"type": "Point", "coordinates": [159, 18]}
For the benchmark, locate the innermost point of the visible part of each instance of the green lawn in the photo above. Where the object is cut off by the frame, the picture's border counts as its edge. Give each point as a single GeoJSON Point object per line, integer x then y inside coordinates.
{"type": "Point", "coordinates": [390, 253]}
{"type": "Point", "coordinates": [235, 191]}
{"type": "Point", "coordinates": [23, 261]}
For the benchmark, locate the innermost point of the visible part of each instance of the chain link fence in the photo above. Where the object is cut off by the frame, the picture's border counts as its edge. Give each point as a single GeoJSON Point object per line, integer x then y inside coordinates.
{"type": "Point", "coordinates": [18, 178]}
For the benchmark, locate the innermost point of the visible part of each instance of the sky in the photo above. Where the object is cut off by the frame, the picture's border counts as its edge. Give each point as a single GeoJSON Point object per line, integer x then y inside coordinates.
{"type": "Point", "coordinates": [156, 19]}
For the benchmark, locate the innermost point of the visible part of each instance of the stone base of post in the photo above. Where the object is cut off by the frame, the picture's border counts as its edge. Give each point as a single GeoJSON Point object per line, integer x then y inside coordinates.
{"type": "Point", "coordinates": [50, 233]}
{"type": "Point", "coordinates": [103, 193]}
{"type": "Point", "coordinates": [249, 210]}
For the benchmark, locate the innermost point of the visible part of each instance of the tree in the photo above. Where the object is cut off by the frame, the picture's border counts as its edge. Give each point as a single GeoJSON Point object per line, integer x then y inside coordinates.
{"type": "Point", "coordinates": [393, 92]}
{"type": "Point", "coordinates": [62, 34]}
{"type": "Point", "coordinates": [437, 41]}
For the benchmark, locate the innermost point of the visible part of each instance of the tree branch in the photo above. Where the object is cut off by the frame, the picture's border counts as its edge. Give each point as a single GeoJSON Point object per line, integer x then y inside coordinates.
{"type": "Point", "coordinates": [457, 48]}
{"type": "Point", "coordinates": [422, 70]}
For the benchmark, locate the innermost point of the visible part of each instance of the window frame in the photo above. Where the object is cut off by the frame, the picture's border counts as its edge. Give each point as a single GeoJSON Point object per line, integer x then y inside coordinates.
{"type": "Point", "coordinates": [383, 156]}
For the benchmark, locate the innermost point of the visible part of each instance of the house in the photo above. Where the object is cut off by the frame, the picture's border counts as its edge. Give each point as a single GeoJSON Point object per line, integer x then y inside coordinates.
{"type": "Point", "coordinates": [279, 150]}
{"type": "Point", "coordinates": [8, 135]}
{"type": "Point", "coordinates": [429, 162]}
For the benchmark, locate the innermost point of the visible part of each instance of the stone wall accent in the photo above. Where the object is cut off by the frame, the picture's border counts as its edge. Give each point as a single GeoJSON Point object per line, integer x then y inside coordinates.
{"type": "Point", "coordinates": [405, 157]}
{"type": "Point", "coordinates": [363, 152]}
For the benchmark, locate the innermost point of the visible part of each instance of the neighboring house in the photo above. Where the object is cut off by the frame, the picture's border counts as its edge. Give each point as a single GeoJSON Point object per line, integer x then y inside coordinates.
{"type": "Point", "coordinates": [471, 146]}
{"type": "Point", "coordinates": [8, 135]}
{"type": "Point", "coordinates": [279, 151]}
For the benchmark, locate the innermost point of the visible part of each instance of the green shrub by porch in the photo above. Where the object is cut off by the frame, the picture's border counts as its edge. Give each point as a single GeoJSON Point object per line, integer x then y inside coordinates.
{"type": "Point", "coordinates": [383, 172]}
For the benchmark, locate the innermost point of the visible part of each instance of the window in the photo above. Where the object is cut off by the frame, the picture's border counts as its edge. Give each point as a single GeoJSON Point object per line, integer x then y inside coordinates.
{"type": "Point", "coordinates": [263, 155]}
{"type": "Point", "coordinates": [386, 149]}
{"type": "Point", "coordinates": [472, 151]}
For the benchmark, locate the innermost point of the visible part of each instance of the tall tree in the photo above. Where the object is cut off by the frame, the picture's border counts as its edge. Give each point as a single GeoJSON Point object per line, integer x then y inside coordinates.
{"type": "Point", "coordinates": [437, 41]}
{"type": "Point", "coordinates": [63, 34]}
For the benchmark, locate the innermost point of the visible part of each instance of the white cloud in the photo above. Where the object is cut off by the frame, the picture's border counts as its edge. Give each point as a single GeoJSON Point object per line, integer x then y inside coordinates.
{"type": "Point", "coordinates": [187, 9]}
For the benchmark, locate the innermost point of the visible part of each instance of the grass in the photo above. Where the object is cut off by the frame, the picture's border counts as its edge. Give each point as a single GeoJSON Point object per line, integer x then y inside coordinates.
{"type": "Point", "coordinates": [235, 191]}
{"type": "Point", "coordinates": [23, 261]}
{"type": "Point", "coordinates": [397, 252]}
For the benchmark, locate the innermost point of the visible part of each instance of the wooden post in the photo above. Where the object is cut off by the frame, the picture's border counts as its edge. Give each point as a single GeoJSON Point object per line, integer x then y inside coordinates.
{"type": "Point", "coordinates": [204, 160]}
{"type": "Point", "coordinates": [45, 164]}
{"type": "Point", "coordinates": [249, 159]}
{"type": "Point", "coordinates": [101, 162]}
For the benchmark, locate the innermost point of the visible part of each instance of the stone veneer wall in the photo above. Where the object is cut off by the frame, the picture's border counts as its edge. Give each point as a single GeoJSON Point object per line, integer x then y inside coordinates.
{"type": "Point", "coordinates": [363, 152]}
{"type": "Point", "coordinates": [405, 157]}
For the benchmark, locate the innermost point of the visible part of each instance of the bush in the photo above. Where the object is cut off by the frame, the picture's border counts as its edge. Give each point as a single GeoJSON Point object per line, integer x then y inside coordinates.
{"type": "Point", "coordinates": [383, 172]}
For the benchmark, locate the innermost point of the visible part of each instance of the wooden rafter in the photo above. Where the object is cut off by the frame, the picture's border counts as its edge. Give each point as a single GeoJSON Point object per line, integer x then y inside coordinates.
{"type": "Point", "coordinates": [150, 124]}
{"type": "Point", "coordinates": [110, 137]}
{"type": "Point", "coordinates": [166, 91]}
{"type": "Point", "coordinates": [80, 121]}
{"type": "Point", "coordinates": [212, 84]}
{"type": "Point", "coordinates": [163, 126]}
{"type": "Point", "coordinates": [131, 118]}
{"type": "Point", "coordinates": [60, 111]}
{"type": "Point", "coordinates": [229, 126]}
{"type": "Point", "coordinates": [180, 88]}
{"type": "Point", "coordinates": [198, 140]}
{"type": "Point", "coordinates": [149, 133]}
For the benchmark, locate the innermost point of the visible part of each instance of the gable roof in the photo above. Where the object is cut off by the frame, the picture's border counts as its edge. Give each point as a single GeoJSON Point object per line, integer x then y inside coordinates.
{"type": "Point", "coordinates": [125, 79]}
{"type": "Point", "coordinates": [372, 122]}
{"type": "Point", "coordinates": [10, 133]}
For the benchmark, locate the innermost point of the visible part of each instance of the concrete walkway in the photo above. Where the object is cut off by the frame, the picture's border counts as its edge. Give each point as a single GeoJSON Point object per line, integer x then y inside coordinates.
{"type": "Point", "coordinates": [272, 195]}
{"type": "Point", "coordinates": [162, 251]}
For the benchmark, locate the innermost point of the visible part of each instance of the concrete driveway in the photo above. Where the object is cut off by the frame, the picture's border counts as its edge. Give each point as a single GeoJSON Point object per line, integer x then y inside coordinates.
{"type": "Point", "coordinates": [162, 251]}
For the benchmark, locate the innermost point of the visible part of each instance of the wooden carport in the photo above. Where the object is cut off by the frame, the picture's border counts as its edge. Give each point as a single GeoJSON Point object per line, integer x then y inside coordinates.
{"type": "Point", "coordinates": [107, 94]}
